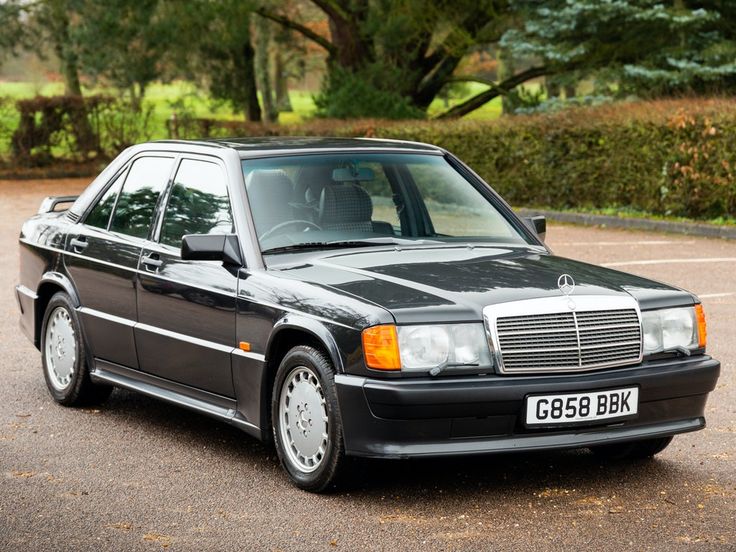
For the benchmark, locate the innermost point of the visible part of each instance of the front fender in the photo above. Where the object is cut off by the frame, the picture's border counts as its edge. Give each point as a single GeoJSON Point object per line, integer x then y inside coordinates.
{"type": "Point", "coordinates": [316, 328]}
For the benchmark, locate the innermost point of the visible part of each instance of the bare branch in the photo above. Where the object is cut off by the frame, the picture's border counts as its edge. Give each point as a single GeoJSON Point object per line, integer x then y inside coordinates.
{"type": "Point", "coordinates": [486, 96]}
{"type": "Point", "coordinates": [481, 80]}
{"type": "Point", "coordinates": [332, 9]}
{"type": "Point", "coordinates": [298, 27]}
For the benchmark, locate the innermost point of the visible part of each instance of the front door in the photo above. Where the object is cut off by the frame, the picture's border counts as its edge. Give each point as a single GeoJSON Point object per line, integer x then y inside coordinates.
{"type": "Point", "coordinates": [186, 309]}
{"type": "Point", "coordinates": [102, 257]}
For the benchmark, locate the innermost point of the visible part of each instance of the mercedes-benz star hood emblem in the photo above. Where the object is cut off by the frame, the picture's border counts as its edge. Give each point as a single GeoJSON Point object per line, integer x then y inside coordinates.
{"type": "Point", "coordinates": [566, 284]}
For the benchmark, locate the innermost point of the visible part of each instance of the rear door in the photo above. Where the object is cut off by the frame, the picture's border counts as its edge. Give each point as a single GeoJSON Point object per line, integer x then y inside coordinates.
{"type": "Point", "coordinates": [102, 256]}
{"type": "Point", "coordinates": [186, 309]}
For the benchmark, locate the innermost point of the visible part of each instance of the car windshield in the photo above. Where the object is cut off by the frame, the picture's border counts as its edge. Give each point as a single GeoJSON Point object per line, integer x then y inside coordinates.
{"type": "Point", "coordinates": [363, 199]}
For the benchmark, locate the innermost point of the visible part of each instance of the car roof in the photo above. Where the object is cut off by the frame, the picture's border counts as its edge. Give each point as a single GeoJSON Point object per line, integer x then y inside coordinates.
{"type": "Point", "coordinates": [257, 146]}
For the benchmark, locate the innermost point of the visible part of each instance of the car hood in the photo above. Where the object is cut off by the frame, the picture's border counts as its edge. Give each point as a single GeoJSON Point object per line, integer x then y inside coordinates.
{"type": "Point", "coordinates": [455, 283]}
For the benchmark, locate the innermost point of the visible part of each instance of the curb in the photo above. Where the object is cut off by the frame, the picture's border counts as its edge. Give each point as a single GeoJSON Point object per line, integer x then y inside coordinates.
{"type": "Point", "coordinates": [674, 227]}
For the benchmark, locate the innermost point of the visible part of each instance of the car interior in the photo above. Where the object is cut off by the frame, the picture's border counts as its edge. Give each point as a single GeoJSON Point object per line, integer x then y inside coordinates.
{"type": "Point", "coordinates": [320, 198]}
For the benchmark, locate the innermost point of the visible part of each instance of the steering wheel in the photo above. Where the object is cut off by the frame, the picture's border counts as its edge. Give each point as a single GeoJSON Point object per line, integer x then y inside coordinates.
{"type": "Point", "coordinates": [280, 227]}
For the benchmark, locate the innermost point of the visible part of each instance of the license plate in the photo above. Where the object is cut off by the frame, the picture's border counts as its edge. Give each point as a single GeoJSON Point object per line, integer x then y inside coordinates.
{"type": "Point", "coordinates": [575, 408]}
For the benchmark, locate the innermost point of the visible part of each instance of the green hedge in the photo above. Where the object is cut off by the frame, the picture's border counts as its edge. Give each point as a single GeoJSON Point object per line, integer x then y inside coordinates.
{"type": "Point", "coordinates": [673, 158]}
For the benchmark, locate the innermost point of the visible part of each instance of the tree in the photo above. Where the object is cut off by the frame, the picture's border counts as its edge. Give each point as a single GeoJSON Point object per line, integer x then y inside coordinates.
{"type": "Point", "coordinates": [122, 42]}
{"type": "Point", "coordinates": [648, 47]}
{"type": "Point", "coordinates": [385, 55]}
{"type": "Point", "coordinates": [214, 47]}
{"type": "Point", "coordinates": [39, 25]}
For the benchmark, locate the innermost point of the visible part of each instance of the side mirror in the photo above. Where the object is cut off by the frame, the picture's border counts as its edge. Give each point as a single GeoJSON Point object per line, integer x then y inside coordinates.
{"type": "Point", "coordinates": [538, 224]}
{"type": "Point", "coordinates": [211, 247]}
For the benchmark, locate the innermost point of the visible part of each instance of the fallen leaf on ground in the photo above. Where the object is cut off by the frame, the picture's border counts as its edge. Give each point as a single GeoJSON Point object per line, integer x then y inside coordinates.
{"type": "Point", "coordinates": [123, 526]}
{"type": "Point", "coordinates": [163, 540]}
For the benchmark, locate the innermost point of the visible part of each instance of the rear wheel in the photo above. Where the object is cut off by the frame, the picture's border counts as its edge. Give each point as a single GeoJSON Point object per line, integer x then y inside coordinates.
{"type": "Point", "coordinates": [64, 356]}
{"type": "Point", "coordinates": [306, 420]}
{"type": "Point", "coordinates": [634, 450]}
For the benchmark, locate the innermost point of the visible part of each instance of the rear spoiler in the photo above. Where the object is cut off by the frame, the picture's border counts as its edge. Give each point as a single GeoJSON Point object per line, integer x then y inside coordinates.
{"type": "Point", "coordinates": [49, 204]}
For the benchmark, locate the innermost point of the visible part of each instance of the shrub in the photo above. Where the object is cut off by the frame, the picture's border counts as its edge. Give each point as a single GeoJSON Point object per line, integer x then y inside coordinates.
{"type": "Point", "coordinates": [122, 123]}
{"type": "Point", "coordinates": [371, 90]}
{"type": "Point", "coordinates": [48, 124]}
{"type": "Point", "coordinates": [73, 128]}
{"type": "Point", "coordinates": [669, 157]}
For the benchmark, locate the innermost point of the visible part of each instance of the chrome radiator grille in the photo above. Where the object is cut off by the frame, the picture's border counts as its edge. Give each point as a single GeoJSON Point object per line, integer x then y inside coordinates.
{"type": "Point", "coordinates": [594, 335]}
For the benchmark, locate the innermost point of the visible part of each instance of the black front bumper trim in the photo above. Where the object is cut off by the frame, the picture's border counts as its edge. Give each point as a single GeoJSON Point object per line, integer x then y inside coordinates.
{"type": "Point", "coordinates": [473, 415]}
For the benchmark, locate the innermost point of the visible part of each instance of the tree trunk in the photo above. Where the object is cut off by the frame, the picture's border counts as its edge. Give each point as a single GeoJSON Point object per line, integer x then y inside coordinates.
{"type": "Point", "coordinates": [350, 50]}
{"type": "Point", "coordinates": [505, 70]}
{"type": "Point", "coordinates": [70, 72]}
{"type": "Point", "coordinates": [262, 65]}
{"type": "Point", "coordinates": [553, 87]}
{"type": "Point", "coordinates": [281, 83]}
{"type": "Point", "coordinates": [432, 82]}
{"type": "Point", "coordinates": [247, 69]}
{"type": "Point", "coordinates": [69, 68]}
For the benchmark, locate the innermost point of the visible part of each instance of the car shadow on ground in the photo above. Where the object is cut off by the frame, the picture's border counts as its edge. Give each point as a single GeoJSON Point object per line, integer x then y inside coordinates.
{"type": "Point", "coordinates": [506, 475]}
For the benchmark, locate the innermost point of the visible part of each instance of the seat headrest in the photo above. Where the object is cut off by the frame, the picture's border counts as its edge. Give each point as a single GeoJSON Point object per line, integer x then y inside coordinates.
{"type": "Point", "coordinates": [269, 194]}
{"type": "Point", "coordinates": [341, 203]}
{"type": "Point", "coordinates": [310, 181]}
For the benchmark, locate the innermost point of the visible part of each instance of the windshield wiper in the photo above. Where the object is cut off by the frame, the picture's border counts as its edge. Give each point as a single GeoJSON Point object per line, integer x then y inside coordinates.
{"type": "Point", "coordinates": [340, 244]}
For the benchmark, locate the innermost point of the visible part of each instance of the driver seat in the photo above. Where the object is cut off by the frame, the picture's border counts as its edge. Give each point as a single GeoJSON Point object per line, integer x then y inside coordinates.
{"type": "Point", "coordinates": [345, 206]}
{"type": "Point", "coordinates": [270, 193]}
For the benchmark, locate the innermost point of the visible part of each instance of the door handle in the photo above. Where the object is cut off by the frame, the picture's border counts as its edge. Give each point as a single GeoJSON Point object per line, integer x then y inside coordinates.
{"type": "Point", "coordinates": [152, 262]}
{"type": "Point", "coordinates": [79, 244]}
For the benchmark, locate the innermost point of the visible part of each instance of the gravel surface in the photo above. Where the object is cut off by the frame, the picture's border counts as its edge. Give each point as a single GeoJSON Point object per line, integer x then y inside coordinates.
{"type": "Point", "coordinates": [138, 474]}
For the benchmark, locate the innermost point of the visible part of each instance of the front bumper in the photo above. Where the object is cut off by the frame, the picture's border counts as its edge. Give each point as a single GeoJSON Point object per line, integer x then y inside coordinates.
{"type": "Point", "coordinates": [476, 415]}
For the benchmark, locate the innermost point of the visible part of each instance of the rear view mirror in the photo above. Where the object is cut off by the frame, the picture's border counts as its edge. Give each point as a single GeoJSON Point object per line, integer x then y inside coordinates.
{"type": "Point", "coordinates": [353, 174]}
{"type": "Point", "coordinates": [538, 224]}
{"type": "Point", "coordinates": [211, 247]}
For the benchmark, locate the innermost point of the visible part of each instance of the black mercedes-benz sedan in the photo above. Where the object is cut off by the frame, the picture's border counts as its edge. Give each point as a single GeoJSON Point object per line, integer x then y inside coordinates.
{"type": "Point", "coordinates": [351, 297]}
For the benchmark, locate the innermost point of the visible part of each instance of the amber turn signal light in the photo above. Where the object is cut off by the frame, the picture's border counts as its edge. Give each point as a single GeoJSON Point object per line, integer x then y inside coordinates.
{"type": "Point", "coordinates": [702, 330]}
{"type": "Point", "coordinates": [381, 347]}
{"type": "Point", "coordinates": [244, 346]}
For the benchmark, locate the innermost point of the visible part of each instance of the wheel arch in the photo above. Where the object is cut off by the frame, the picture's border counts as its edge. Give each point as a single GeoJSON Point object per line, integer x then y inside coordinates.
{"type": "Point", "coordinates": [289, 332]}
{"type": "Point", "coordinates": [50, 284]}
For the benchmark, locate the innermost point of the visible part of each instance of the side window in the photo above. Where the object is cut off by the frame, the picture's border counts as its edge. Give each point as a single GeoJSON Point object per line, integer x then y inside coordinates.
{"type": "Point", "coordinates": [198, 203]}
{"type": "Point", "coordinates": [99, 216]}
{"type": "Point", "coordinates": [146, 180]}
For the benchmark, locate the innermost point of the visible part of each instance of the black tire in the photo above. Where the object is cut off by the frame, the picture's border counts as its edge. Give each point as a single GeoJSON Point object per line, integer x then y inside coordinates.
{"type": "Point", "coordinates": [633, 450]}
{"type": "Point", "coordinates": [328, 470]}
{"type": "Point", "coordinates": [80, 391]}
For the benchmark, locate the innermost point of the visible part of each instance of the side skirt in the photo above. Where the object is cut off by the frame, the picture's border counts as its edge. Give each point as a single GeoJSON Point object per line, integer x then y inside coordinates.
{"type": "Point", "coordinates": [206, 403]}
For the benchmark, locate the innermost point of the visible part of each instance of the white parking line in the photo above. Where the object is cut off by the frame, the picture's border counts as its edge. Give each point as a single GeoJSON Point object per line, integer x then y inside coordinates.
{"type": "Point", "coordinates": [673, 261]}
{"type": "Point", "coordinates": [644, 242]}
{"type": "Point", "coordinates": [714, 295]}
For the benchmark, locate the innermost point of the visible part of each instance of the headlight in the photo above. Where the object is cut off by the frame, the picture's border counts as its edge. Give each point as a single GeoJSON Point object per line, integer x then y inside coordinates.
{"type": "Point", "coordinates": [426, 348]}
{"type": "Point", "coordinates": [668, 329]}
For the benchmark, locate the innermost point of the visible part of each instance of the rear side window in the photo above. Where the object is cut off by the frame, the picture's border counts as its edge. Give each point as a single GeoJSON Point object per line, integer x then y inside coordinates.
{"type": "Point", "coordinates": [198, 203]}
{"type": "Point", "coordinates": [146, 180]}
{"type": "Point", "coordinates": [99, 216]}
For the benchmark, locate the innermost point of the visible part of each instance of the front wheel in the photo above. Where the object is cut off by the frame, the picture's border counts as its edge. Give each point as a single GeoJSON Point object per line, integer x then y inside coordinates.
{"type": "Point", "coordinates": [64, 356]}
{"type": "Point", "coordinates": [307, 426]}
{"type": "Point", "coordinates": [634, 450]}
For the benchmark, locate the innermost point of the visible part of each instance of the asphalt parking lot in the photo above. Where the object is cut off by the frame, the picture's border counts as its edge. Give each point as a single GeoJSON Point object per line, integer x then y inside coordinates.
{"type": "Point", "coordinates": [138, 474]}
